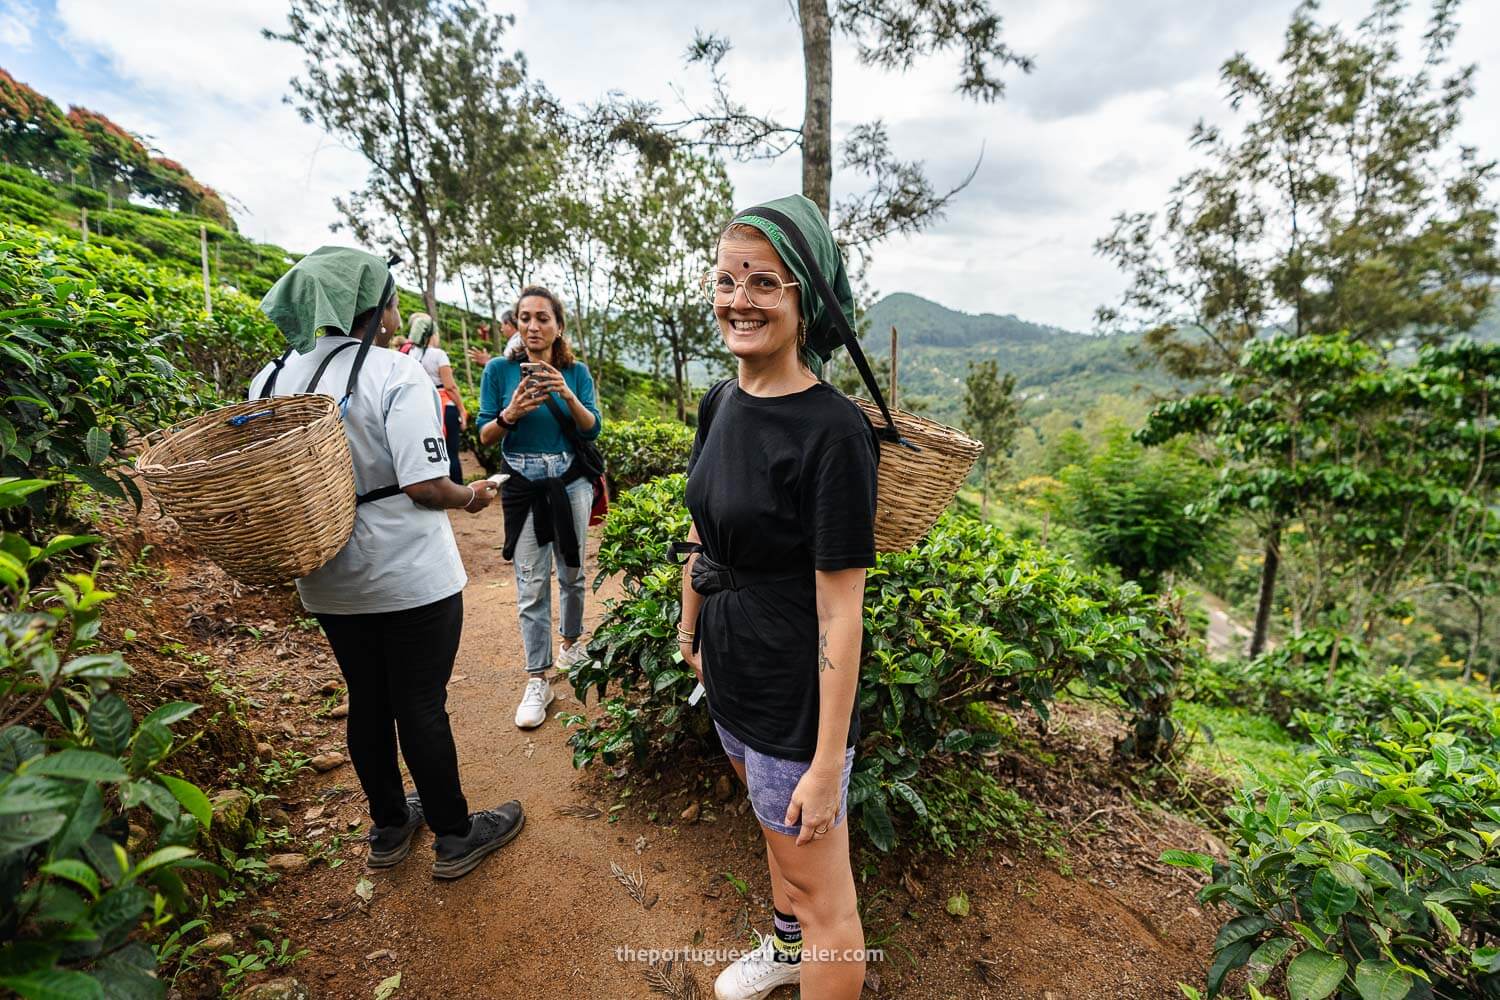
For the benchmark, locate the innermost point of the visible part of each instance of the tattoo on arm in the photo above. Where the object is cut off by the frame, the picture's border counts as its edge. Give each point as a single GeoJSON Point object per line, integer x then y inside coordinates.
{"type": "Point", "coordinates": [824, 663]}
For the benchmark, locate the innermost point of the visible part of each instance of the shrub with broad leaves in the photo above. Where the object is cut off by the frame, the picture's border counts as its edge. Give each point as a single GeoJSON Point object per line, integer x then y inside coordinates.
{"type": "Point", "coordinates": [95, 832]}
{"type": "Point", "coordinates": [1375, 876]}
{"type": "Point", "coordinates": [638, 451]}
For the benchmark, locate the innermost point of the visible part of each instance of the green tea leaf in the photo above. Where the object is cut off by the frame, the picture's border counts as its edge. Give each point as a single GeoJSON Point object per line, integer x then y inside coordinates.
{"type": "Point", "coordinates": [96, 445]}
{"type": "Point", "coordinates": [1314, 975]}
{"type": "Point", "coordinates": [191, 797]}
{"type": "Point", "coordinates": [76, 872]}
{"type": "Point", "coordinates": [1188, 859]}
{"type": "Point", "coordinates": [110, 723]}
{"type": "Point", "coordinates": [54, 984]}
{"type": "Point", "coordinates": [1380, 980]}
{"type": "Point", "coordinates": [84, 765]}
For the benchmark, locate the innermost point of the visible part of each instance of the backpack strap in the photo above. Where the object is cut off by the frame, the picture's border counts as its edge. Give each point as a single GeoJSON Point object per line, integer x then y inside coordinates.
{"type": "Point", "coordinates": [323, 367]}
{"type": "Point", "coordinates": [270, 386]}
{"type": "Point", "coordinates": [840, 321]}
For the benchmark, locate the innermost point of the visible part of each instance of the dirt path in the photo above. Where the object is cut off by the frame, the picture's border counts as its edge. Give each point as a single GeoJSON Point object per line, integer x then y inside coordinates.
{"type": "Point", "coordinates": [546, 918]}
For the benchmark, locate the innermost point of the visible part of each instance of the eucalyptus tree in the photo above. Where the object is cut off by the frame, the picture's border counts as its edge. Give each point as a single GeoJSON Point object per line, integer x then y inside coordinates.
{"type": "Point", "coordinates": [400, 82]}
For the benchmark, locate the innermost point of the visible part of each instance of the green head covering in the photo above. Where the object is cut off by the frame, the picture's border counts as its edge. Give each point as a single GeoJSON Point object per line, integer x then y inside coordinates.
{"type": "Point", "coordinates": [822, 334]}
{"type": "Point", "coordinates": [325, 289]}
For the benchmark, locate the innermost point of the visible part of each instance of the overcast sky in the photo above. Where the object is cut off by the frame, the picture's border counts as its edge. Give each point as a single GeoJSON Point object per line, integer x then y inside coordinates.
{"type": "Point", "coordinates": [1099, 127]}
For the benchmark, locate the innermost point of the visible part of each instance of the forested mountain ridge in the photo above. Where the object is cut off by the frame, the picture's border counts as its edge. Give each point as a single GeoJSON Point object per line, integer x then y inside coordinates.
{"type": "Point", "coordinates": [1054, 368]}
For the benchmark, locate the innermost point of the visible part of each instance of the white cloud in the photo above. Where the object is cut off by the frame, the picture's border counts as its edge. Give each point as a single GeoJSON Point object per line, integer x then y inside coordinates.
{"type": "Point", "coordinates": [186, 47]}
{"type": "Point", "coordinates": [17, 19]}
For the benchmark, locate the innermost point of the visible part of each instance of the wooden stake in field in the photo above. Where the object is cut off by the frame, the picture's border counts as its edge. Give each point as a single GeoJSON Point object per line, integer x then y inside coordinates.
{"type": "Point", "coordinates": [893, 367]}
{"type": "Point", "coordinates": [208, 301]}
{"type": "Point", "coordinates": [463, 326]}
{"type": "Point", "coordinates": [83, 223]}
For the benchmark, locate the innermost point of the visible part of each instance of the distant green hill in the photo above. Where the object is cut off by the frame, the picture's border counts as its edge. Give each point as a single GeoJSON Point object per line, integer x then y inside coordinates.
{"type": "Point", "coordinates": [1054, 368]}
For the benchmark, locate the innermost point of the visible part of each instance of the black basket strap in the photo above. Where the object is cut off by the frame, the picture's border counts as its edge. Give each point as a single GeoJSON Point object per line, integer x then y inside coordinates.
{"type": "Point", "coordinates": [270, 386]}
{"type": "Point", "coordinates": [378, 494]}
{"type": "Point", "coordinates": [368, 338]}
{"type": "Point", "coordinates": [840, 321]}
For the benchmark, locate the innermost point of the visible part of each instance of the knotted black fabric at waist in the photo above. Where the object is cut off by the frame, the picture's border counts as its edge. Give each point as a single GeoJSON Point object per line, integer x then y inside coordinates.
{"type": "Point", "coordinates": [713, 577]}
{"type": "Point", "coordinates": [547, 501]}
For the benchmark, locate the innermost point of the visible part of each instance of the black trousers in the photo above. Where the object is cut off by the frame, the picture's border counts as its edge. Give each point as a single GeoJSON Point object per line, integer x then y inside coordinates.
{"type": "Point", "coordinates": [397, 666]}
{"type": "Point", "coordinates": [453, 437]}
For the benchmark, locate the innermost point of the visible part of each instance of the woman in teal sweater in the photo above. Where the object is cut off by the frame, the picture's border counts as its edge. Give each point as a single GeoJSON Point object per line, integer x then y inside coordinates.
{"type": "Point", "coordinates": [546, 507]}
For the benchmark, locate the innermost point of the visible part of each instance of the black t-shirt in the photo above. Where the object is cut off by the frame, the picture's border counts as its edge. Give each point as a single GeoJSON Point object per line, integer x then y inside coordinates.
{"type": "Point", "coordinates": [784, 484]}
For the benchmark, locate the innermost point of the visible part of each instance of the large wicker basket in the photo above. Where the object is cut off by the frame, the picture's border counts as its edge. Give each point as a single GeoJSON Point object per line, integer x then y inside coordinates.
{"type": "Point", "coordinates": [263, 488]}
{"type": "Point", "coordinates": [917, 486]}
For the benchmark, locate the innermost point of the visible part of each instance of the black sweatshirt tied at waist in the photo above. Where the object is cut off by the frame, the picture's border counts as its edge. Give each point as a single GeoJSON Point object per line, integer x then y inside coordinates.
{"type": "Point", "coordinates": [712, 577]}
{"type": "Point", "coordinates": [547, 501]}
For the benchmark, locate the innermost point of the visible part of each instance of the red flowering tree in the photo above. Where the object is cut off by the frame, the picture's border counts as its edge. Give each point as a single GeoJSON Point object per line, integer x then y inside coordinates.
{"type": "Point", "coordinates": [34, 132]}
{"type": "Point", "coordinates": [169, 183]}
{"type": "Point", "coordinates": [116, 159]}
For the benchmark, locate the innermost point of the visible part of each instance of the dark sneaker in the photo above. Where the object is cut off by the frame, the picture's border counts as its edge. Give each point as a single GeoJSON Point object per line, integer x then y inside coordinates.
{"type": "Point", "coordinates": [389, 845]}
{"type": "Point", "coordinates": [489, 831]}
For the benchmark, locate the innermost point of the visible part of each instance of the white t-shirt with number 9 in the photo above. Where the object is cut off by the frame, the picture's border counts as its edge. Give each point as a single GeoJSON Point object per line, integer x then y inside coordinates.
{"type": "Point", "coordinates": [400, 555]}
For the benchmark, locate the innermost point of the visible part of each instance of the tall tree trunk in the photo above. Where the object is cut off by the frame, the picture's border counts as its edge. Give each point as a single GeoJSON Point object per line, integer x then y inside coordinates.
{"type": "Point", "coordinates": [817, 116]}
{"type": "Point", "coordinates": [496, 337]}
{"type": "Point", "coordinates": [1267, 591]}
{"type": "Point", "coordinates": [678, 364]}
{"type": "Point", "coordinates": [430, 272]}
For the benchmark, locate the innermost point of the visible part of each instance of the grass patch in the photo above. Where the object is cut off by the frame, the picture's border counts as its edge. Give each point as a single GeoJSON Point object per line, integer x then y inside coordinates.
{"type": "Point", "coordinates": [1231, 742]}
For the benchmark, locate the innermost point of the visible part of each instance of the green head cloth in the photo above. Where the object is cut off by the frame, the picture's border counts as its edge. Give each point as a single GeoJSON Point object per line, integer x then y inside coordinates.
{"type": "Point", "coordinates": [420, 330]}
{"type": "Point", "coordinates": [822, 334]}
{"type": "Point", "coordinates": [325, 290]}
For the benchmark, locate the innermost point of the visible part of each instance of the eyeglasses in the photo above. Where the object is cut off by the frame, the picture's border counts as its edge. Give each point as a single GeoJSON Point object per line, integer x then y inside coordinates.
{"type": "Point", "coordinates": [763, 289]}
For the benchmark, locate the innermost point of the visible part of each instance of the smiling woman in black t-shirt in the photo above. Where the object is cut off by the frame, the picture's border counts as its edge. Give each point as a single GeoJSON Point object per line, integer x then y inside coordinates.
{"type": "Point", "coordinates": [781, 488]}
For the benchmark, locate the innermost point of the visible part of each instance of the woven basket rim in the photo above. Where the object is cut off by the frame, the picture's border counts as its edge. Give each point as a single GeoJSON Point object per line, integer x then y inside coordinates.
{"type": "Point", "coordinates": [954, 435]}
{"type": "Point", "coordinates": [195, 425]}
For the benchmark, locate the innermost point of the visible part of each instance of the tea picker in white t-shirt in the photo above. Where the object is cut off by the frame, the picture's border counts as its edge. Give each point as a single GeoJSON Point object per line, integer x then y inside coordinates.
{"type": "Point", "coordinates": [391, 601]}
{"type": "Point", "coordinates": [425, 345]}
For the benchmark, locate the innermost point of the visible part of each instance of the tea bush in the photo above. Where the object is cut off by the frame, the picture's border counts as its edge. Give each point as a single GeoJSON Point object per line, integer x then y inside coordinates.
{"type": "Point", "coordinates": [1375, 875]}
{"type": "Point", "coordinates": [76, 883]}
{"type": "Point", "coordinates": [1294, 685]}
{"type": "Point", "coordinates": [82, 368]}
{"type": "Point", "coordinates": [638, 451]}
{"type": "Point", "coordinates": [967, 616]}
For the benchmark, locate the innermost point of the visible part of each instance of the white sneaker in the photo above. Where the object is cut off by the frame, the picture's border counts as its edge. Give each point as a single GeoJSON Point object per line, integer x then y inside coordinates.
{"type": "Point", "coordinates": [575, 654]}
{"type": "Point", "coordinates": [532, 711]}
{"type": "Point", "coordinates": [755, 975]}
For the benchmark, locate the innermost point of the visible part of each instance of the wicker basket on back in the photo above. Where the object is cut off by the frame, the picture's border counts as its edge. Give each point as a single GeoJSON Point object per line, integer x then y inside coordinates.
{"type": "Point", "coordinates": [264, 488]}
{"type": "Point", "coordinates": [916, 486]}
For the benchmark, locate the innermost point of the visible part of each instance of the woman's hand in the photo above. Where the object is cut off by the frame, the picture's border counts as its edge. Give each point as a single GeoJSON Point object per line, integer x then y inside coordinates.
{"type": "Point", "coordinates": [546, 379]}
{"type": "Point", "coordinates": [485, 492]}
{"type": "Point", "coordinates": [815, 802]}
{"type": "Point", "coordinates": [522, 402]}
{"type": "Point", "coordinates": [692, 659]}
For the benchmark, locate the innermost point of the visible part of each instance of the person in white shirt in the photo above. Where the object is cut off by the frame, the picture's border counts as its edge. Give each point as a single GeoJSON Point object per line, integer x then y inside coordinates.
{"type": "Point", "coordinates": [508, 330]}
{"type": "Point", "coordinates": [391, 600]}
{"type": "Point", "coordinates": [425, 345]}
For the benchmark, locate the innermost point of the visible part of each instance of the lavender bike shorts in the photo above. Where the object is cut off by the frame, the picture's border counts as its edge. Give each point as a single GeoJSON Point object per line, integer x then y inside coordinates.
{"type": "Point", "coordinates": [772, 780]}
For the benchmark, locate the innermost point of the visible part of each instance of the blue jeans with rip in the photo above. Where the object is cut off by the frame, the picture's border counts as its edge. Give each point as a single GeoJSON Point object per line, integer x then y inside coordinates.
{"type": "Point", "coordinates": [533, 564]}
